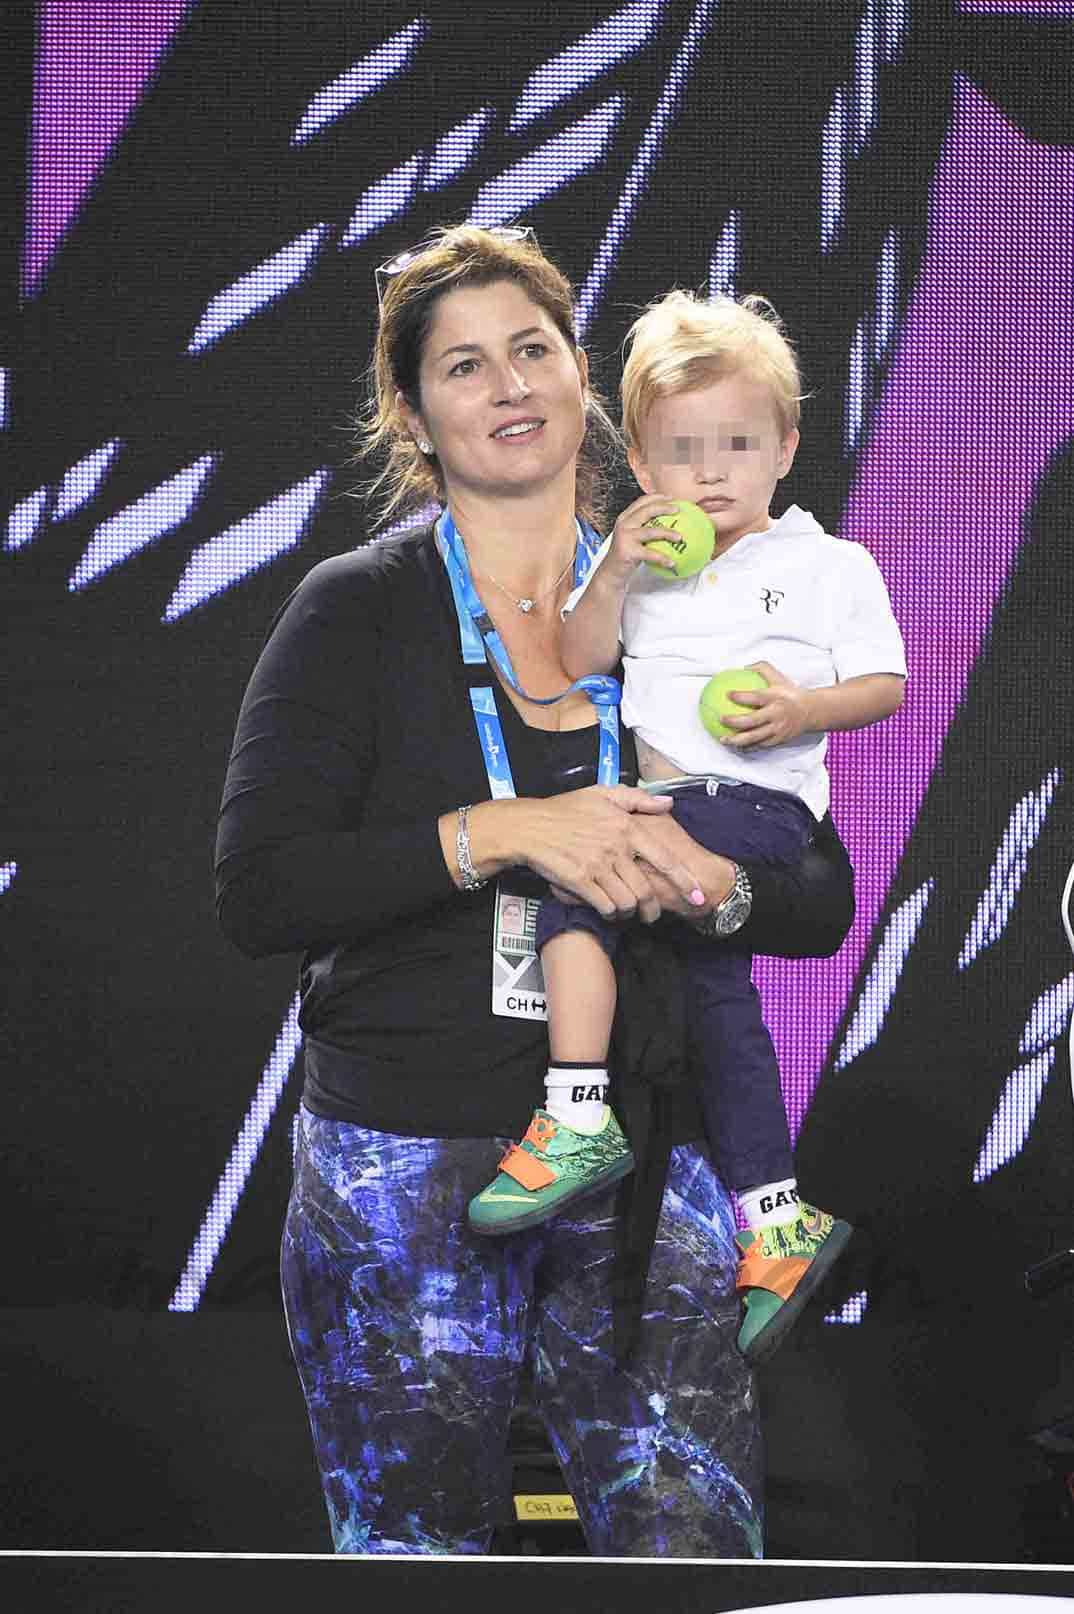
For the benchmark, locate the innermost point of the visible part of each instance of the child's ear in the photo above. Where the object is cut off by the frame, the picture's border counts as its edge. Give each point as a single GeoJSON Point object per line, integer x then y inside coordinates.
{"type": "Point", "coordinates": [641, 472]}
{"type": "Point", "coordinates": [787, 452]}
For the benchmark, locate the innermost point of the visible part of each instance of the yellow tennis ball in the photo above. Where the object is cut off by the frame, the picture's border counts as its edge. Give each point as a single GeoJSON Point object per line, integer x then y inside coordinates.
{"type": "Point", "coordinates": [690, 545]}
{"type": "Point", "coordinates": [716, 703]}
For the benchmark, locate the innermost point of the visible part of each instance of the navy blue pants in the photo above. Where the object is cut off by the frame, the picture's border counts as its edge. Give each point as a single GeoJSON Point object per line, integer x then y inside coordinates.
{"type": "Point", "coordinates": [741, 1097]}
{"type": "Point", "coordinates": [410, 1335]}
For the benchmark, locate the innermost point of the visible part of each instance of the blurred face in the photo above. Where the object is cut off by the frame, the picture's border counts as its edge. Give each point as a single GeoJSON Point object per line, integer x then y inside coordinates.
{"type": "Point", "coordinates": [721, 447]}
{"type": "Point", "coordinates": [502, 394]}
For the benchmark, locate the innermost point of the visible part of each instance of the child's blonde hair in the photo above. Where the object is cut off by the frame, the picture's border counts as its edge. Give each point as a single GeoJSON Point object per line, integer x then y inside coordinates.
{"type": "Point", "coordinates": [683, 343]}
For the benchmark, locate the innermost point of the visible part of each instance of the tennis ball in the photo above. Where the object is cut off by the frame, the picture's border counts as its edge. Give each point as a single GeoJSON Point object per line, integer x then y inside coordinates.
{"type": "Point", "coordinates": [690, 545]}
{"type": "Point", "coordinates": [716, 702]}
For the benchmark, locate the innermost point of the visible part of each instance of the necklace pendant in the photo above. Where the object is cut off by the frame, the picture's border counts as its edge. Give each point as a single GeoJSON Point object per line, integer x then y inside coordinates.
{"type": "Point", "coordinates": [525, 605]}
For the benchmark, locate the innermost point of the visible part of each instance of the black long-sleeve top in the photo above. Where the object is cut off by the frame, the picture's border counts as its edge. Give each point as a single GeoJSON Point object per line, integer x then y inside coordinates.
{"type": "Point", "coordinates": [355, 735]}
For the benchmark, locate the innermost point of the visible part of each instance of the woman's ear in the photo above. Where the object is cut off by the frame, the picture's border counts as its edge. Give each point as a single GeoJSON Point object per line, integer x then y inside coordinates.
{"type": "Point", "coordinates": [413, 422]}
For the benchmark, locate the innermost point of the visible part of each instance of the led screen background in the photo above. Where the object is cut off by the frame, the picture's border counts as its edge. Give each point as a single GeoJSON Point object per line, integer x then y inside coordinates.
{"type": "Point", "coordinates": [207, 188]}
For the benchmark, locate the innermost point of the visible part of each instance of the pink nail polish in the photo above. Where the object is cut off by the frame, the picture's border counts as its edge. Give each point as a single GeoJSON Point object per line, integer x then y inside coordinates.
{"type": "Point", "coordinates": [697, 897]}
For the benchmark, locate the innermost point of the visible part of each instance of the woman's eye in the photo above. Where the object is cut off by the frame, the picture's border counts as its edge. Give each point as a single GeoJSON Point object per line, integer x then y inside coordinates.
{"type": "Point", "coordinates": [464, 367]}
{"type": "Point", "coordinates": [535, 350]}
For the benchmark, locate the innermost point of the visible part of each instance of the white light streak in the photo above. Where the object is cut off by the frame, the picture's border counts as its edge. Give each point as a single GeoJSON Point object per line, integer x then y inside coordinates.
{"type": "Point", "coordinates": [723, 266]}
{"type": "Point", "coordinates": [24, 522]}
{"type": "Point", "coordinates": [451, 154]}
{"type": "Point", "coordinates": [1048, 1018]}
{"type": "Point", "coordinates": [259, 287]}
{"type": "Point", "coordinates": [857, 385]}
{"type": "Point", "coordinates": [81, 482]}
{"type": "Point", "coordinates": [550, 167]}
{"type": "Point", "coordinates": [1014, 1114]}
{"type": "Point", "coordinates": [556, 80]}
{"type": "Point", "coordinates": [143, 522]}
{"type": "Point", "coordinates": [833, 170]}
{"type": "Point", "coordinates": [878, 992]}
{"type": "Point", "coordinates": [251, 543]}
{"type": "Point", "coordinates": [1008, 870]}
{"type": "Point", "coordinates": [852, 1310]}
{"type": "Point", "coordinates": [336, 99]}
{"type": "Point", "coordinates": [390, 196]}
{"type": "Point", "coordinates": [222, 1207]}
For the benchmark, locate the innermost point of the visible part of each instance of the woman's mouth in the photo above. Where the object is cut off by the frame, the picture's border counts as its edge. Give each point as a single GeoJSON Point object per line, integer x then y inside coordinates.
{"type": "Point", "coordinates": [515, 430]}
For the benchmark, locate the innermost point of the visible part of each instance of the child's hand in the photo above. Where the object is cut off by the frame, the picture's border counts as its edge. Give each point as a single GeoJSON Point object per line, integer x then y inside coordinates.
{"type": "Point", "coordinates": [631, 537]}
{"type": "Point", "coordinates": [779, 713]}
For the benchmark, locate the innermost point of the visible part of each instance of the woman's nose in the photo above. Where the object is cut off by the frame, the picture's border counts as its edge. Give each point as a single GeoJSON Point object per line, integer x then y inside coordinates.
{"type": "Point", "coordinates": [511, 386]}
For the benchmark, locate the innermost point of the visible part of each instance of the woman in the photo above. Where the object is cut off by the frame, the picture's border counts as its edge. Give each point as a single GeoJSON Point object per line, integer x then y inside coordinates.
{"type": "Point", "coordinates": [383, 705]}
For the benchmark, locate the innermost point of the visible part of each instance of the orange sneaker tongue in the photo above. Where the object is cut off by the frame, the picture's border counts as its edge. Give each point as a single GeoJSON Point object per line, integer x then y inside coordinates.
{"type": "Point", "coordinates": [526, 1169]}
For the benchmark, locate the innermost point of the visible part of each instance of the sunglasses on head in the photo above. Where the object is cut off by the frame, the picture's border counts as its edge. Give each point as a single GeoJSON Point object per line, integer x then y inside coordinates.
{"type": "Point", "coordinates": [403, 260]}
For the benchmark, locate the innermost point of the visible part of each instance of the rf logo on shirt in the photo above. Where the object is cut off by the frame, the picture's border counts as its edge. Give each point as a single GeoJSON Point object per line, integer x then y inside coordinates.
{"type": "Point", "coordinates": [771, 598]}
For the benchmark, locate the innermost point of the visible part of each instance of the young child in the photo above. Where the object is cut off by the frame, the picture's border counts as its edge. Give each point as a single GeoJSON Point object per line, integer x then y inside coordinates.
{"type": "Point", "coordinates": [711, 395]}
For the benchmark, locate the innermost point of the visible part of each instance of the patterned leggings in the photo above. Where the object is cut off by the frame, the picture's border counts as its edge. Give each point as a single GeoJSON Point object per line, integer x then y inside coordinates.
{"type": "Point", "coordinates": [410, 1333]}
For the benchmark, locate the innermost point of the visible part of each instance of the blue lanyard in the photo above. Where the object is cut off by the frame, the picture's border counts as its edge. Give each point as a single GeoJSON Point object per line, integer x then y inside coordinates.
{"type": "Point", "coordinates": [480, 643]}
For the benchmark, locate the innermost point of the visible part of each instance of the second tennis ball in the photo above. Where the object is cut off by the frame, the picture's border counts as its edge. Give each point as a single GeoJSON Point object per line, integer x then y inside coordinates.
{"type": "Point", "coordinates": [689, 545]}
{"type": "Point", "coordinates": [716, 703]}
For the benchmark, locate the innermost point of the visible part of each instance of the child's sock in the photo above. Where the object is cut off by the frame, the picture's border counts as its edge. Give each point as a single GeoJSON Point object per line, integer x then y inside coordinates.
{"type": "Point", "coordinates": [773, 1202]}
{"type": "Point", "coordinates": [575, 1094]}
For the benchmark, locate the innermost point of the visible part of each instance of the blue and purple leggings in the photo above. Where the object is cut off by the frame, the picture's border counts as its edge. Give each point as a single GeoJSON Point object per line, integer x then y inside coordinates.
{"type": "Point", "coordinates": [410, 1335]}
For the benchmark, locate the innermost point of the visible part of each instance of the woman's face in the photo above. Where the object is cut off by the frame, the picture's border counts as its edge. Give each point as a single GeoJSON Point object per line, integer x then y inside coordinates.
{"type": "Point", "coordinates": [502, 394]}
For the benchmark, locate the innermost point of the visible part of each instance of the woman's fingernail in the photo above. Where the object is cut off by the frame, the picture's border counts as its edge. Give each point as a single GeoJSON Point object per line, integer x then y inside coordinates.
{"type": "Point", "coordinates": [697, 897]}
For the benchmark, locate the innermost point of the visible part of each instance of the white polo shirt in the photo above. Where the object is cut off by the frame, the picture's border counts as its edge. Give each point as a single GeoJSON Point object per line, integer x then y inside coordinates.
{"type": "Point", "coordinates": [814, 606]}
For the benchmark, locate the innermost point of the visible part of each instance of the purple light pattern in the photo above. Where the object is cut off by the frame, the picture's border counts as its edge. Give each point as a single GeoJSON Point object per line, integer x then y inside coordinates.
{"type": "Point", "coordinates": [92, 66]}
{"type": "Point", "coordinates": [956, 447]}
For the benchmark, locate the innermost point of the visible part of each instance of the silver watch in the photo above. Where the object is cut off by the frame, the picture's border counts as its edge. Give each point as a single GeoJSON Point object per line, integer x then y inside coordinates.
{"type": "Point", "coordinates": [732, 912]}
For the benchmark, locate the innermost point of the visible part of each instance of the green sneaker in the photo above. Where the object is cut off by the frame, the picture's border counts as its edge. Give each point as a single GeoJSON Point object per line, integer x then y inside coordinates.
{"type": "Point", "coordinates": [552, 1167]}
{"type": "Point", "coordinates": [781, 1267]}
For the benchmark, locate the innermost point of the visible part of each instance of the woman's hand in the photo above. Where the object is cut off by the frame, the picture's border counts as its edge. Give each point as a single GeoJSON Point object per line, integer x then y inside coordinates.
{"type": "Point", "coordinates": [597, 845]}
{"type": "Point", "coordinates": [716, 874]}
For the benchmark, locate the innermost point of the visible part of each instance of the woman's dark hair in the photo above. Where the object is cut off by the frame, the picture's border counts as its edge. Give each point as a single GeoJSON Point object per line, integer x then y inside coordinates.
{"type": "Point", "coordinates": [450, 258]}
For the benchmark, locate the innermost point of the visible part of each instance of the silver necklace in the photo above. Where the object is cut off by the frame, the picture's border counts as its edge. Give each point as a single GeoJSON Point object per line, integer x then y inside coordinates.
{"type": "Point", "coordinates": [525, 605]}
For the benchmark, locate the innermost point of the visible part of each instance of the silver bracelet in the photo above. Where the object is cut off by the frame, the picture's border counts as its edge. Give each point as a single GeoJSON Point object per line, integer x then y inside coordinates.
{"type": "Point", "coordinates": [471, 880]}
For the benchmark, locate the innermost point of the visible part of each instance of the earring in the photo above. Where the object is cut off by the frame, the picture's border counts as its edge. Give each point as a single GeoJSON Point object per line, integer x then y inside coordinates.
{"type": "Point", "coordinates": [424, 445]}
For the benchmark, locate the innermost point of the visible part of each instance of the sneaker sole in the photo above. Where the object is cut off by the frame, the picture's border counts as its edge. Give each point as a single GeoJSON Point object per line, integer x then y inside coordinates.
{"type": "Point", "coordinates": [771, 1337]}
{"type": "Point", "coordinates": [543, 1213]}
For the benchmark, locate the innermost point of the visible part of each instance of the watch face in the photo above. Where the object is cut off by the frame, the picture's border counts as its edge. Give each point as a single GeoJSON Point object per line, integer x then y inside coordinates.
{"type": "Point", "coordinates": [733, 913]}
